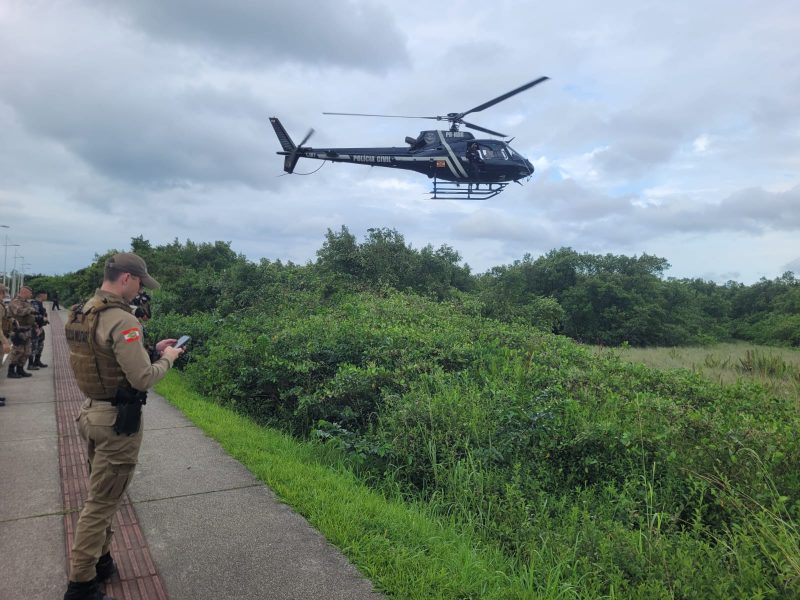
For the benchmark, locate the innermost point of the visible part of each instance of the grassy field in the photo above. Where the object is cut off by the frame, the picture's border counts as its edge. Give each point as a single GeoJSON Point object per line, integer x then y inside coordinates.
{"type": "Point", "coordinates": [777, 368]}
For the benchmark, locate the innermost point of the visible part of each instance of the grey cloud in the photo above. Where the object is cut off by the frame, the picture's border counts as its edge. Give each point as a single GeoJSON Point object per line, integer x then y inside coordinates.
{"type": "Point", "coordinates": [590, 217]}
{"type": "Point", "coordinates": [566, 200]}
{"type": "Point", "coordinates": [640, 141]}
{"type": "Point", "coordinates": [158, 137]}
{"type": "Point", "coordinates": [793, 266]}
{"type": "Point", "coordinates": [351, 34]}
{"type": "Point", "coordinates": [619, 221]}
{"type": "Point", "coordinates": [108, 109]}
{"type": "Point", "coordinates": [758, 210]}
{"type": "Point", "coordinates": [494, 224]}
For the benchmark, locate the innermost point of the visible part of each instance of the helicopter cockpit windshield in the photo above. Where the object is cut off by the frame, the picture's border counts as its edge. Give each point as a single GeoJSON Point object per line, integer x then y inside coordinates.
{"type": "Point", "coordinates": [514, 153]}
{"type": "Point", "coordinates": [493, 152]}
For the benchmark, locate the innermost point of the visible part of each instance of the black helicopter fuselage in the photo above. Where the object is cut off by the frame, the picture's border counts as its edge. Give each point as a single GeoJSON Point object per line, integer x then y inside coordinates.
{"type": "Point", "coordinates": [438, 154]}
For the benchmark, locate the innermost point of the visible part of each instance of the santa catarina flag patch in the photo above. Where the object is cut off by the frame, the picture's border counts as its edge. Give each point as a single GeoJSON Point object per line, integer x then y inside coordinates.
{"type": "Point", "coordinates": [131, 335]}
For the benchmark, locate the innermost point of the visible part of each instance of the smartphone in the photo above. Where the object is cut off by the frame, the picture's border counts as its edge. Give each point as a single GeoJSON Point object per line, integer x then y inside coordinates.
{"type": "Point", "coordinates": [182, 341]}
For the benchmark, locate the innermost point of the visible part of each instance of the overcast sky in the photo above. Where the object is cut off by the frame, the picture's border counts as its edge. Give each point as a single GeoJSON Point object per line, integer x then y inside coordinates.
{"type": "Point", "coordinates": [668, 128]}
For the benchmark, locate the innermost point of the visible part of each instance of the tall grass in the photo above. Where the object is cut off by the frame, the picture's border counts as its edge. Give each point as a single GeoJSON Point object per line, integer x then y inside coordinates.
{"type": "Point", "coordinates": [775, 367]}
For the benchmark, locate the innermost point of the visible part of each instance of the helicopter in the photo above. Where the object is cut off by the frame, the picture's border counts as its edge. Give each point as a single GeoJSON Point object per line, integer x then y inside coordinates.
{"type": "Point", "coordinates": [461, 166]}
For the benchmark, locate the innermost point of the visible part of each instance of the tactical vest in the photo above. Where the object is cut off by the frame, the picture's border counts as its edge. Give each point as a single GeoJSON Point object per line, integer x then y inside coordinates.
{"type": "Point", "coordinates": [97, 372]}
{"type": "Point", "coordinates": [24, 321]}
{"type": "Point", "coordinates": [5, 319]}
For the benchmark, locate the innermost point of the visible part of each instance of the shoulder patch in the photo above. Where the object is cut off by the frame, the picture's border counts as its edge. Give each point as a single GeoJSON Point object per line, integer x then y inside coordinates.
{"type": "Point", "coordinates": [131, 335]}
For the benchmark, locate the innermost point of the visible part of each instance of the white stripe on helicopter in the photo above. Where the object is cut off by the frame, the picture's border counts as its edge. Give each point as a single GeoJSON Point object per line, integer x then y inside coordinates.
{"type": "Point", "coordinates": [452, 155]}
{"type": "Point", "coordinates": [383, 159]}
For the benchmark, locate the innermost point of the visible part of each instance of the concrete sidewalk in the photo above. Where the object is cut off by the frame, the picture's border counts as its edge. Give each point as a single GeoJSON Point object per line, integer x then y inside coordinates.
{"type": "Point", "coordinates": [32, 561]}
{"type": "Point", "coordinates": [213, 530]}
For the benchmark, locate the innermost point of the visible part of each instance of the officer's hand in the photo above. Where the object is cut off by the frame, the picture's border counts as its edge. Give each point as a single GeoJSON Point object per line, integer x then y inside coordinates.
{"type": "Point", "coordinates": [164, 343]}
{"type": "Point", "coordinates": [172, 353]}
{"type": "Point", "coordinates": [6, 348]}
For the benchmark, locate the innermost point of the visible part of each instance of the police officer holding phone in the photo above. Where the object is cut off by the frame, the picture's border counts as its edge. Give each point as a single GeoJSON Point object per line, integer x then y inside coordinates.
{"type": "Point", "coordinates": [114, 371]}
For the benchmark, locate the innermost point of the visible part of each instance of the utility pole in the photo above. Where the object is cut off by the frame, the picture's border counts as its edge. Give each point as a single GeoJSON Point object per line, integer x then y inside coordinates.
{"type": "Point", "coordinates": [22, 274]}
{"type": "Point", "coordinates": [5, 256]}
{"type": "Point", "coordinates": [15, 285]}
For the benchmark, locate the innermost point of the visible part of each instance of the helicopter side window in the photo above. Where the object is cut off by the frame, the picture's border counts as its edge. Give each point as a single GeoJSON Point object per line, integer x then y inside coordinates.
{"type": "Point", "coordinates": [493, 153]}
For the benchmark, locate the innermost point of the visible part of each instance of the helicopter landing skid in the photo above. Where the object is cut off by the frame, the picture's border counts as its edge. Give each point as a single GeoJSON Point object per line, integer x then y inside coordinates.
{"type": "Point", "coordinates": [450, 190]}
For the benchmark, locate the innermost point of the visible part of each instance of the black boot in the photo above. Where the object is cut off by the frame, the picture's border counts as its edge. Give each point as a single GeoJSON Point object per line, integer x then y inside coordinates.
{"type": "Point", "coordinates": [105, 568]}
{"type": "Point", "coordinates": [85, 590]}
{"type": "Point", "coordinates": [38, 362]}
{"type": "Point", "coordinates": [12, 372]}
{"type": "Point", "coordinates": [32, 364]}
{"type": "Point", "coordinates": [21, 372]}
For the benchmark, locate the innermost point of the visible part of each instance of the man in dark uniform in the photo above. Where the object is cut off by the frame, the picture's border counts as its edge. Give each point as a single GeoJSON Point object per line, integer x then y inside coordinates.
{"type": "Point", "coordinates": [37, 337]}
{"type": "Point", "coordinates": [23, 320]}
{"type": "Point", "coordinates": [474, 159]}
{"type": "Point", "coordinates": [142, 300]}
{"type": "Point", "coordinates": [113, 370]}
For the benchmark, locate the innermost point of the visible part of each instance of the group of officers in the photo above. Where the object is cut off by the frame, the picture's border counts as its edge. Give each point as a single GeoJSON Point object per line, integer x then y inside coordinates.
{"type": "Point", "coordinates": [22, 332]}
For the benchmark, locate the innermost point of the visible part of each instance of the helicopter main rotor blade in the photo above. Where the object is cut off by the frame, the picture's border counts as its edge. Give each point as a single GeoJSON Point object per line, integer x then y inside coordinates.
{"type": "Point", "coordinates": [505, 96]}
{"type": "Point", "coordinates": [391, 116]}
{"type": "Point", "coordinates": [483, 129]}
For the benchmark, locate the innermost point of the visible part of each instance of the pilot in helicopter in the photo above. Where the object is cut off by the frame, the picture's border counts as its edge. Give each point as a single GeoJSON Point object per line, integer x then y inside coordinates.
{"type": "Point", "coordinates": [474, 158]}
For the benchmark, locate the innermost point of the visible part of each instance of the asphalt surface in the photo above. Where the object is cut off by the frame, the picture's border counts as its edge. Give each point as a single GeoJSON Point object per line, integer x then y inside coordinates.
{"type": "Point", "coordinates": [213, 530]}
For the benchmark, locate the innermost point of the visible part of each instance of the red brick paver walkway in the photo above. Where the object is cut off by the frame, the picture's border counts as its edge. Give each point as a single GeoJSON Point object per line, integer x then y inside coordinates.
{"type": "Point", "coordinates": [138, 578]}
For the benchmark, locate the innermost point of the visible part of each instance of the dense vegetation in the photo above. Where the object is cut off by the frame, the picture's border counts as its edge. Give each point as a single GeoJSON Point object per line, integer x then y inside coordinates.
{"type": "Point", "coordinates": [591, 298]}
{"type": "Point", "coordinates": [596, 477]}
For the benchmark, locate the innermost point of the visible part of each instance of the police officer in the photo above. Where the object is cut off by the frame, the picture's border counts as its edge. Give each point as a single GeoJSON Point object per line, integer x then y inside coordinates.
{"type": "Point", "coordinates": [474, 160]}
{"type": "Point", "coordinates": [142, 300]}
{"type": "Point", "coordinates": [5, 329]}
{"type": "Point", "coordinates": [113, 370]}
{"type": "Point", "coordinates": [37, 337]}
{"type": "Point", "coordinates": [23, 319]}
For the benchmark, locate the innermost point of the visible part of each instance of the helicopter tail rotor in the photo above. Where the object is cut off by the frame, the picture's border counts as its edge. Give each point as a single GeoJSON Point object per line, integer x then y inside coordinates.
{"type": "Point", "coordinates": [291, 151]}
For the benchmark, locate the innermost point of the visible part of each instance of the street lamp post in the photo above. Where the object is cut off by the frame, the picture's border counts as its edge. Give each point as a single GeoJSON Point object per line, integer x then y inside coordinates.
{"type": "Point", "coordinates": [5, 255]}
{"type": "Point", "coordinates": [22, 274]}
{"type": "Point", "coordinates": [15, 285]}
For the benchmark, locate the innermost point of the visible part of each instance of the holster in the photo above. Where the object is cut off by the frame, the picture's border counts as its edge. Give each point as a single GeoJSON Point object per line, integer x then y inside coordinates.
{"type": "Point", "coordinates": [129, 404]}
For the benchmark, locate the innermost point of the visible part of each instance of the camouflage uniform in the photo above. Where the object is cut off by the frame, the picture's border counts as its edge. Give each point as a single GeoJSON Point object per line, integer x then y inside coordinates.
{"type": "Point", "coordinates": [23, 320]}
{"type": "Point", "coordinates": [3, 339]}
{"type": "Point", "coordinates": [3, 332]}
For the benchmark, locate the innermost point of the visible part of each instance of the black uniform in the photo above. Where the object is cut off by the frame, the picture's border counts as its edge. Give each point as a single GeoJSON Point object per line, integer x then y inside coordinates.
{"type": "Point", "coordinates": [37, 336]}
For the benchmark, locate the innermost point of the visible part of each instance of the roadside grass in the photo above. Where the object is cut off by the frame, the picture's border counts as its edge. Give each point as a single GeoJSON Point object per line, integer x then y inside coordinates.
{"type": "Point", "coordinates": [727, 363]}
{"type": "Point", "coordinates": [403, 550]}
{"type": "Point", "coordinates": [669, 479]}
